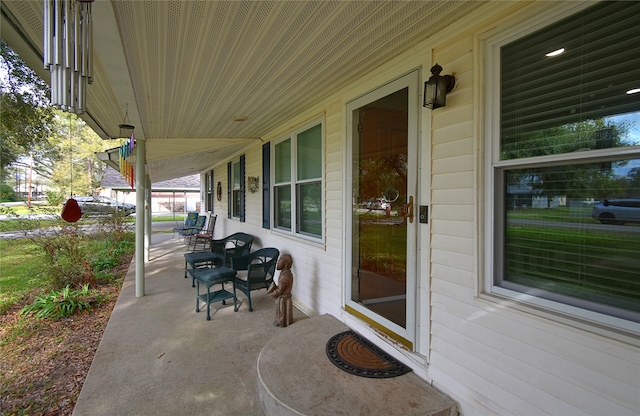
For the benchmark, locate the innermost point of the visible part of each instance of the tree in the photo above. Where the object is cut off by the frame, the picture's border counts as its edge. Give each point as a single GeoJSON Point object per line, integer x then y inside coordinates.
{"type": "Point", "coordinates": [24, 108]}
{"type": "Point", "coordinates": [68, 157]}
{"type": "Point", "coordinates": [572, 181]}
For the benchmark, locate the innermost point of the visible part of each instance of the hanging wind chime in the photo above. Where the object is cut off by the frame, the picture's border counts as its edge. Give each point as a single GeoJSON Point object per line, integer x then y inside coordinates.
{"type": "Point", "coordinates": [68, 52]}
{"type": "Point", "coordinates": [68, 55]}
{"type": "Point", "coordinates": [126, 169]}
{"type": "Point", "coordinates": [71, 211]}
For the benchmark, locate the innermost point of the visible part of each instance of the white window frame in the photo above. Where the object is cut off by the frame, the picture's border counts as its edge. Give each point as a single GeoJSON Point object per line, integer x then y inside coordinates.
{"type": "Point", "coordinates": [294, 182]}
{"type": "Point", "coordinates": [492, 230]}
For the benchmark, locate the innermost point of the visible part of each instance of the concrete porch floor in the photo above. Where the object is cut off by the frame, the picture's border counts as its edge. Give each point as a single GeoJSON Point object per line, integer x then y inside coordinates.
{"type": "Point", "coordinates": [159, 357]}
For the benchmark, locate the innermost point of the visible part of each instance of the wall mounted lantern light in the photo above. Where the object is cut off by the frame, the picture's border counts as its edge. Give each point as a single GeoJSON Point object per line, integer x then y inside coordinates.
{"type": "Point", "coordinates": [437, 87]}
{"type": "Point", "coordinates": [68, 50]}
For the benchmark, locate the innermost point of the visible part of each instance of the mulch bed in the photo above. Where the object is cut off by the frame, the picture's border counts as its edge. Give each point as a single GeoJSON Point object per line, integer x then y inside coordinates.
{"type": "Point", "coordinates": [43, 363]}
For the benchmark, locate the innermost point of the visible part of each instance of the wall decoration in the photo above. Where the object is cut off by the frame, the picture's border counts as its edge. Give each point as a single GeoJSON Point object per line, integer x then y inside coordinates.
{"type": "Point", "coordinates": [253, 183]}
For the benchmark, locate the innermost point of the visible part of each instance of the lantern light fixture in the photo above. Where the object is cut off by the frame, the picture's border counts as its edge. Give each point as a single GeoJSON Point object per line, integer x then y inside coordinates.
{"type": "Point", "coordinates": [436, 88]}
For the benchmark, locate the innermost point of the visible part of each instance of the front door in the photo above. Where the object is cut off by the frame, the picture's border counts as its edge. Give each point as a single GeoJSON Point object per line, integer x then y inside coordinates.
{"type": "Point", "coordinates": [383, 151]}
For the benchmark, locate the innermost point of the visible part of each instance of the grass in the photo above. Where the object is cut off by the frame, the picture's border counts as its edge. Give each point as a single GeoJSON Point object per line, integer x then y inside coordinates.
{"type": "Point", "coordinates": [20, 224]}
{"type": "Point", "coordinates": [20, 265]}
{"type": "Point", "coordinates": [589, 264]}
{"type": "Point", "coordinates": [383, 249]}
{"type": "Point", "coordinates": [559, 214]}
{"type": "Point", "coordinates": [43, 362]}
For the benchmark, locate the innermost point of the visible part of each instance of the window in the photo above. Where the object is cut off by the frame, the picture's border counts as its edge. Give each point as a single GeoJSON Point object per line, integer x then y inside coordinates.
{"type": "Point", "coordinates": [209, 190]}
{"type": "Point", "coordinates": [566, 139]}
{"type": "Point", "coordinates": [297, 186]}
{"type": "Point", "coordinates": [266, 185]}
{"type": "Point", "coordinates": [236, 190]}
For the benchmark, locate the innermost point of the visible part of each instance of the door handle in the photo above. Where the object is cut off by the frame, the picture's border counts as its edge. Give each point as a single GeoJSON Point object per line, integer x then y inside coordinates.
{"type": "Point", "coordinates": [409, 210]}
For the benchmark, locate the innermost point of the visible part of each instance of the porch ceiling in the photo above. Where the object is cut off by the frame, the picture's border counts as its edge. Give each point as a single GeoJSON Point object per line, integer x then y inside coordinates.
{"type": "Point", "coordinates": [185, 69]}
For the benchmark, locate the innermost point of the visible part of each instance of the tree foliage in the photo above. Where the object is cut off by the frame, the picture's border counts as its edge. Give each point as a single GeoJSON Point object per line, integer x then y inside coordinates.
{"type": "Point", "coordinates": [61, 145]}
{"type": "Point", "coordinates": [24, 108]}
{"type": "Point", "coordinates": [576, 180]}
{"type": "Point", "coordinates": [67, 159]}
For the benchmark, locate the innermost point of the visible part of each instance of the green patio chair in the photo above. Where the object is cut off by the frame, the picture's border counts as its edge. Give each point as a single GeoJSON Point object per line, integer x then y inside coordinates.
{"type": "Point", "coordinates": [188, 233]}
{"type": "Point", "coordinates": [220, 254]}
{"type": "Point", "coordinates": [189, 223]}
{"type": "Point", "coordinates": [254, 271]}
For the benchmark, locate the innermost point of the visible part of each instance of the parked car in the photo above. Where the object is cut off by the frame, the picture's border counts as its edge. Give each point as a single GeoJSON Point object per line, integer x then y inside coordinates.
{"type": "Point", "coordinates": [376, 203]}
{"type": "Point", "coordinates": [617, 211]}
{"type": "Point", "coordinates": [102, 205]}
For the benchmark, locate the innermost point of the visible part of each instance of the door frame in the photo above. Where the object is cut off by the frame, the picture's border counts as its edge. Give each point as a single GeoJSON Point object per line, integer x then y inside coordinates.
{"type": "Point", "coordinates": [405, 336]}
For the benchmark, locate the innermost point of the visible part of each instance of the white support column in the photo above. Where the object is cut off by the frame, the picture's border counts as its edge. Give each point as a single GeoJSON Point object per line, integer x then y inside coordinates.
{"type": "Point", "coordinates": [141, 216]}
{"type": "Point", "coordinates": [148, 223]}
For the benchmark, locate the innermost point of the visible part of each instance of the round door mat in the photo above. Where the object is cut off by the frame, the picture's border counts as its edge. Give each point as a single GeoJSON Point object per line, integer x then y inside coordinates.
{"type": "Point", "coordinates": [356, 355]}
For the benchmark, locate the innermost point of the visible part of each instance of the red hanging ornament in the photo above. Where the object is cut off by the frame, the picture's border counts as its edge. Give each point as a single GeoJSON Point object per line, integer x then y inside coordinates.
{"type": "Point", "coordinates": [71, 211]}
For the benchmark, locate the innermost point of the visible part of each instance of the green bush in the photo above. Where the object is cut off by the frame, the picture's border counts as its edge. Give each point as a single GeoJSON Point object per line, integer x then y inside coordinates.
{"type": "Point", "coordinates": [54, 198]}
{"type": "Point", "coordinates": [108, 253]}
{"type": "Point", "coordinates": [74, 257]}
{"type": "Point", "coordinates": [68, 257]}
{"type": "Point", "coordinates": [6, 193]}
{"type": "Point", "coordinates": [62, 303]}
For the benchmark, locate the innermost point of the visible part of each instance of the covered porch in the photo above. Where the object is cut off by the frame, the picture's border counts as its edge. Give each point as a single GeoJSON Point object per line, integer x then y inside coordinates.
{"type": "Point", "coordinates": [158, 356]}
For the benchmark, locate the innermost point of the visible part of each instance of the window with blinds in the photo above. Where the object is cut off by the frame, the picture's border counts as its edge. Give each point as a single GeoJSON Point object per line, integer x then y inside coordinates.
{"type": "Point", "coordinates": [297, 185]}
{"type": "Point", "coordinates": [209, 190]}
{"type": "Point", "coordinates": [236, 191]}
{"type": "Point", "coordinates": [569, 143]}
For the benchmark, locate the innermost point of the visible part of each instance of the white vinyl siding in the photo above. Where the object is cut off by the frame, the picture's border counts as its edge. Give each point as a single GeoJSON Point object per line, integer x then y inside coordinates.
{"type": "Point", "coordinates": [489, 356]}
{"type": "Point", "coordinates": [493, 359]}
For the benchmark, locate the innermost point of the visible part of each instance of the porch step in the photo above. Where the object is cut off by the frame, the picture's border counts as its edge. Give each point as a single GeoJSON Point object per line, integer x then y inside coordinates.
{"type": "Point", "coordinates": [295, 377]}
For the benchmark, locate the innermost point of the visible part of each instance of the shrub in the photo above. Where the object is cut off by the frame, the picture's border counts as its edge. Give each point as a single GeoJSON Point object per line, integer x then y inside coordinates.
{"type": "Point", "coordinates": [108, 254]}
{"type": "Point", "coordinates": [81, 253]}
{"type": "Point", "coordinates": [54, 198]}
{"type": "Point", "coordinates": [6, 193]}
{"type": "Point", "coordinates": [69, 262]}
{"type": "Point", "coordinates": [62, 303]}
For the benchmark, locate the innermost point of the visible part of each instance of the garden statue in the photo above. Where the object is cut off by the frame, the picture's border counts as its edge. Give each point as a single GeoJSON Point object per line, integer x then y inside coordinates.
{"type": "Point", "coordinates": [282, 292]}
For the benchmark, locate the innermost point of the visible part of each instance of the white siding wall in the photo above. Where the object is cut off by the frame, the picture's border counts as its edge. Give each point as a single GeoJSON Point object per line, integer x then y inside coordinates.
{"type": "Point", "coordinates": [316, 266]}
{"type": "Point", "coordinates": [490, 357]}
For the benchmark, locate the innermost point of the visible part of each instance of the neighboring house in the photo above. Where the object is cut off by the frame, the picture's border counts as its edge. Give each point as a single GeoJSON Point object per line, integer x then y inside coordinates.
{"type": "Point", "coordinates": [508, 317]}
{"type": "Point", "coordinates": [178, 195]}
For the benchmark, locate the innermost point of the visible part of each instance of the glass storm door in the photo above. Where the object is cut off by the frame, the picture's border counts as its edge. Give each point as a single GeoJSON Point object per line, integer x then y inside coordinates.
{"type": "Point", "coordinates": [383, 154]}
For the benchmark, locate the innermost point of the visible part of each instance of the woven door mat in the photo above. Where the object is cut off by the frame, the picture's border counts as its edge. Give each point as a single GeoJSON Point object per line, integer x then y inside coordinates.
{"type": "Point", "coordinates": [356, 355]}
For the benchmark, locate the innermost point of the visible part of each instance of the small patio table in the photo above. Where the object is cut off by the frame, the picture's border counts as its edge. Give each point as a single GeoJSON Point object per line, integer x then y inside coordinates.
{"type": "Point", "coordinates": [196, 261]}
{"type": "Point", "coordinates": [210, 277]}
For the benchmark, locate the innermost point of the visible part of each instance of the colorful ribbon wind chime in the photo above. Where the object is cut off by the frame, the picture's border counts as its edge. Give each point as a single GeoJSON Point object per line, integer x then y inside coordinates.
{"type": "Point", "coordinates": [126, 168]}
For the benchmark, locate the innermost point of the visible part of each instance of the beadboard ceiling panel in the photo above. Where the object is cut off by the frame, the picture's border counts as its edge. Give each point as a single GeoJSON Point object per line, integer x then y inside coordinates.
{"type": "Point", "coordinates": [182, 70]}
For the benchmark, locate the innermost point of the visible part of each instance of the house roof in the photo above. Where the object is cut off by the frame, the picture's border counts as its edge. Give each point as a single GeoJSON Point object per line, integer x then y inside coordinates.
{"type": "Point", "coordinates": [112, 179]}
{"type": "Point", "coordinates": [181, 71]}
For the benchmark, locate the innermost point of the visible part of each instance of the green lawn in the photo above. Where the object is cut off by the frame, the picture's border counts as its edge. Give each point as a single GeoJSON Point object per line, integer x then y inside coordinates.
{"type": "Point", "coordinates": [595, 265]}
{"type": "Point", "coordinates": [383, 249]}
{"type": "Point", "coordinates": [20, 264]}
